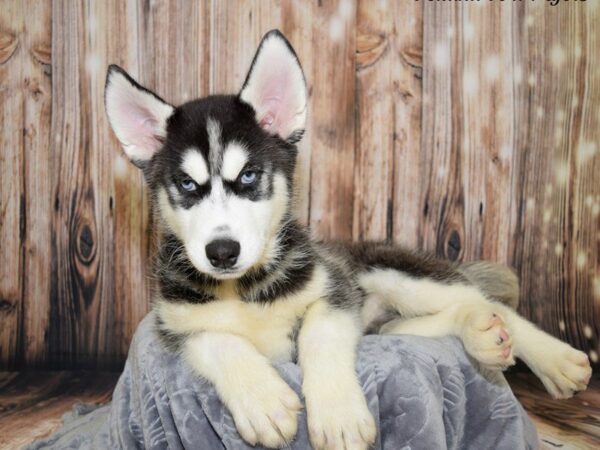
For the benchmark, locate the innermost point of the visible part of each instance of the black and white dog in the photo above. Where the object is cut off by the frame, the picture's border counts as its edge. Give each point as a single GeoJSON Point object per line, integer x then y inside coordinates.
{"type": "Point", "coordinates": [242, 284]}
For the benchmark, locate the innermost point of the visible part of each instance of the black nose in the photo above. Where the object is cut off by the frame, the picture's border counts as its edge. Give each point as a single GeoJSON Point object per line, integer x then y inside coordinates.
{"type": "Point", "coordinates": [223, 253]}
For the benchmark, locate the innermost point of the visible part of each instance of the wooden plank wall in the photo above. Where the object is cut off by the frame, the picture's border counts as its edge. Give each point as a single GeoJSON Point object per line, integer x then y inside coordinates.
{"type": "Point", "coordinates": [467, 129]}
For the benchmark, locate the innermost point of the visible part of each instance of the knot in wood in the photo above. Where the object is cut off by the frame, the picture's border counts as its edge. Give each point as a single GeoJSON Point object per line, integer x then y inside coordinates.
{"type": "Point", "coordinates": [85, 243]}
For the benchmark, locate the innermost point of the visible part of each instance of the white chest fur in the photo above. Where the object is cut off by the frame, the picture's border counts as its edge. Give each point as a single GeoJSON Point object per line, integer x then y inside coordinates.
{"type": "Point", "coordinates": [268, 326]}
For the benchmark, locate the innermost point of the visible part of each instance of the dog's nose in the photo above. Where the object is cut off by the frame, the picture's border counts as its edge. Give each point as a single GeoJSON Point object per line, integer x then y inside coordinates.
{"type": "Point", "coordinates": [223, 253]}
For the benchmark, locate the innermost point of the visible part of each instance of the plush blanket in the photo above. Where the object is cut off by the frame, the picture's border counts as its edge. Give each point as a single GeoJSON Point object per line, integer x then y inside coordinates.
{"type": "Point", "coordinates": [423, 393]}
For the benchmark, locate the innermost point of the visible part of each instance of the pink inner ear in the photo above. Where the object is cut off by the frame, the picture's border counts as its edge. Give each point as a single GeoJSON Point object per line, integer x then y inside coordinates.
{"type": "Point", "coordinates": [139, 127]}
{"type": "Point", "coordinates": [276, 104]}
{"type": "Point", "coordinates": [276, 89]}
{"type": "Point", "coordinates": [271, 107]}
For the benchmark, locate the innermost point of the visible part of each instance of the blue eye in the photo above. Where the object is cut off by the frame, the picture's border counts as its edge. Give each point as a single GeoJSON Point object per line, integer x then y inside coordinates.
{"type": "Point", "coordinates": [248, 177]}
{"type": "Point", "coordinates": [188, 185]}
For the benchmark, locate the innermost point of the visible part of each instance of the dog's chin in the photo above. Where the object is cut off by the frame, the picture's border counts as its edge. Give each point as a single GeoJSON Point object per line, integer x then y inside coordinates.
{"type": "Point", "coordinates": [227, 274]}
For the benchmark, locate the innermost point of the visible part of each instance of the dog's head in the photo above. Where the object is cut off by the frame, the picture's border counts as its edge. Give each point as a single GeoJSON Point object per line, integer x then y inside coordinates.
{"type": "Point", "coordinates": [220, 168]}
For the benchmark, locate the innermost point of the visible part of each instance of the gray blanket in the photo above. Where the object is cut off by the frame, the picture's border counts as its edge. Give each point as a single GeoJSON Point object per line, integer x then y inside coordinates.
{"type": "Point", "coordinates": [423, 393]}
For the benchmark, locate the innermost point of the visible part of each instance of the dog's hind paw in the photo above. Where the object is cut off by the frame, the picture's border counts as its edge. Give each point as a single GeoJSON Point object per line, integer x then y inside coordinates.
{"type": "Point", "coordinates": [564, 371]}
{"type": "Point", "coordinates": [486, 337]}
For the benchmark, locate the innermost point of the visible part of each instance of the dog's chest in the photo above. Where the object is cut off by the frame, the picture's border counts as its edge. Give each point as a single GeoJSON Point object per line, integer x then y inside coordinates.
{"type": "Point", "coordinates": [270, 327]}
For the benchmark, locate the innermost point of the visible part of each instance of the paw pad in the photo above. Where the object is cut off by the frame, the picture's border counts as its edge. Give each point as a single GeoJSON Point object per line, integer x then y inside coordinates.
{"type": "Point", "coordinates": [486, 338]}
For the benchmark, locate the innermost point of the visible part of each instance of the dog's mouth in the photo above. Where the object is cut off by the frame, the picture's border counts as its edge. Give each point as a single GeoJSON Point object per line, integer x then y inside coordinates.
{"type": "Point", "coordinates": [227, 274]}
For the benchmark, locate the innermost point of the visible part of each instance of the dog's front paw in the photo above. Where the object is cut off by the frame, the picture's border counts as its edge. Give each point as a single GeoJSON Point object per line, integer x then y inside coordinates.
{"type": "Point", "coordinates": [339, 419]}
{"type": "Point", "coordinates": [265, 412]}
{"type": "Point", "coordinates": [486, 337]}
{"type": "Point", "coordinates": [563, 369]}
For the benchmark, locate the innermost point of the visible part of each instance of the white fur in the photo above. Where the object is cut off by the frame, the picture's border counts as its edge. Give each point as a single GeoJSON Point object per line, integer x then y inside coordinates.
{"type": "Point", "coordinates": [563, 369]}
{"type": "Point", "coordinates": [213, 129]}
{"type": "Point", "coordinates": [235, 158]}
{"type": "Point", "coordinates": [252, 223]}
{"type": "Point", "coordinates": [137, 117]}
{"type": "Point", "coordinates": [338, 415]}
{"type": "Point", "coordinates": [263, 406]}
{"type": "Point", "coordinates": [464, 311]}
{"type": "Point", "coordinates": [195, 166]}
{"type": "Point", "coordinates": [373, 310]}
{"type": "Point", "coordinates": [483, 332]}
{"type": "Point", "coordinates": [414, 296]}
{"type": "Point", "coordinates": [267, 327]}
{"type": "Point", "coordinates": [276, 88]}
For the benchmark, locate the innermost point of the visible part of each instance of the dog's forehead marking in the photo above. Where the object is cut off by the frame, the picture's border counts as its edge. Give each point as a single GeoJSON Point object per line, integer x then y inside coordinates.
{"type": "Point", "coordinates": [215, 146]}
{"type": "Point", "coordinates": [194, 164]}
{"type": "Point", "coordinates": [235, 157]}
{"type": "Point", "coordinates": [218, 195]}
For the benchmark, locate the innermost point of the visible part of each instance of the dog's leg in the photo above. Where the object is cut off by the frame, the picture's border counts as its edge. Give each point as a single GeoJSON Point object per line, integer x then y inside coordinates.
{"type": "Point", "coordinates": [433, 308]}
{"type": "Point", "coordinates": [411, 296]}
{"type": "Point", "coordinates": [263, 406]}
{"type": "Point", "coordinates": [338, 416]}
{"type": "Point", "coordinates": [416, 286]}
{"type": "Point", "coordinates": [563, 369]}
{"type": "Point", "coordinates": [482, 331]}
{"type": "Point", "coordinates": [492, 333]}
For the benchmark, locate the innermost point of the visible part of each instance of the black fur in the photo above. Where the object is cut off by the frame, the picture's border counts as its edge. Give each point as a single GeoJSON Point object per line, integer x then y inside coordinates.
{"type": "Point", "coordinates": [171, 341]}
{"type": "Point", "coordinates": [179, 281]}
{"type": "Point", "coordinates": [380, 255]}
{"type": "Point", "coordinates": [187, 128]}
{"type": "Point", "coordinates": [297, 256]}
{"type": "Point", "coordinates": [286, 274]}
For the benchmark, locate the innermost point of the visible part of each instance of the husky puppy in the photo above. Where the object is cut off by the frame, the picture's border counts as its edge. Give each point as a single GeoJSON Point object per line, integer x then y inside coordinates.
{"type": "Point", "coordinates": [241, 284]}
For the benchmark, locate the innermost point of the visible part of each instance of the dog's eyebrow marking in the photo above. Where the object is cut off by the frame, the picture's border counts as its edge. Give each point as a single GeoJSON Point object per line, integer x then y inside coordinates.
{"type": "Point", "coordinates": [194, 165]}
{"type": "Point", "coordinates": [215, 148]}
{"type": "Point", "coordinates": [235, 158]}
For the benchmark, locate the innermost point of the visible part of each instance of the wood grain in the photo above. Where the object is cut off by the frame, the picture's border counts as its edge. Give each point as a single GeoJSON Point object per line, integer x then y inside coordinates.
{"type": "Point", "coordinates": [505, 125]}
{"type": "Point", "coordinates": [468, 130]}
{"type": "Point", "coordinates": [388, 101]}
{"type": "Point", "coordinates": [333, 107]}
{"type": "Point", "coordinates": [32, 404]}
{"type": "Point", "coordinates": [36, 72]}
{"type": "Point", "coordinates": [442, 194]}
{"type": "Point", "coordinates": [569, 424]}
{"type": "Point", "coordinates": [557, 246]}
{"type": "Point", "coordinates": [25, 207]}
{"type": "Point", "coordinates": [296, 24]}
{"type": "Point", "coordinates": [240, 24]}
{"type": "Point", "coordinates": [408, 114]}
{"type": "Point", "coordinates": [127, 203]}
{"type": "Point", "coordinates": [77, 323]}
{"type": "Point", "coordinates": [377, 66]}
{"type": "Point", "coordinates": [11, 181]}
{"type": "Point", "coordinates": [470, 191]}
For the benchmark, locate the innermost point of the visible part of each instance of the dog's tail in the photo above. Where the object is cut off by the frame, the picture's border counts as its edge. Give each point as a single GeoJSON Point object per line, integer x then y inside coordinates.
{"type": "Point", "coordinates": [497, 282]}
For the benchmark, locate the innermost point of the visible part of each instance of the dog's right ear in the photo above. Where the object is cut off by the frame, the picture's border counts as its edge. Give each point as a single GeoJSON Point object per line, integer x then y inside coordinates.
{"type": "Point", "coordinates": [137, 116]}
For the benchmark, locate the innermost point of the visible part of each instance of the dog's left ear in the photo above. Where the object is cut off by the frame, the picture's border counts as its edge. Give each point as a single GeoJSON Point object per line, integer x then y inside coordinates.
{"type": "Point", "coordinates": [276, 89]}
